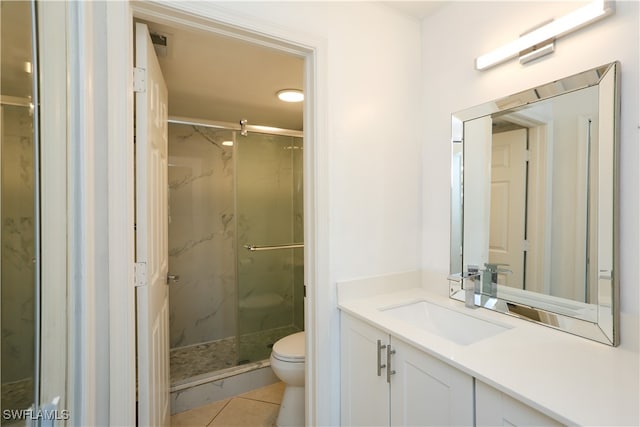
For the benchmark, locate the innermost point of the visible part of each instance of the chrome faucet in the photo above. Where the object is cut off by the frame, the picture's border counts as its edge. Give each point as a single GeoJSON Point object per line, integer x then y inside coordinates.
{"type": "Point", "coordinates": [490, 278]}
{"type": "Point", "coordinates": [476, 281]}
{"type": "Point", "coordinates": [471, 285]}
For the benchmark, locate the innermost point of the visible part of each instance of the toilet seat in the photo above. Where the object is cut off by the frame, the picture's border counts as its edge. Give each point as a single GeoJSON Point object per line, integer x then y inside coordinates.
{"type": "Point", "coordinates": [288, 359]}
{"type": "Point", "coordinates": [290, 348]}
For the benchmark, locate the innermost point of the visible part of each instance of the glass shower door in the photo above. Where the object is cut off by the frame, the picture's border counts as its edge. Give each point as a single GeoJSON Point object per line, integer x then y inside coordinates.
{"type": "Point", "coordinates": [17, 213]}
{"type": "Point", "coordinates": [269, 214]}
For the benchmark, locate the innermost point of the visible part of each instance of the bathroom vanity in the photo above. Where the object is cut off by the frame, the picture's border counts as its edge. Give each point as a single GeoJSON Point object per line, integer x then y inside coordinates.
{"type": "Point", "coordinates": [534, 235]}
{"type": "Point", "coordinates": [452, 365]}
{"type": "Point", "coordinates": [404, 378]}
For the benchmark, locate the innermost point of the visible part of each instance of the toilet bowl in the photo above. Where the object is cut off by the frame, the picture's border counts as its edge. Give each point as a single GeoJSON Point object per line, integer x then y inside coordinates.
{"type": "Point", "coordinates": [287, 362]}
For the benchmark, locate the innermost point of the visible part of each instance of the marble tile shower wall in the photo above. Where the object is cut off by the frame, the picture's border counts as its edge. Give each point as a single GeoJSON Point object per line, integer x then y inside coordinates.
{"type": "Point", "coordinates": [17, 238]}
{"type": "Point", "coordinates": [201, 235]}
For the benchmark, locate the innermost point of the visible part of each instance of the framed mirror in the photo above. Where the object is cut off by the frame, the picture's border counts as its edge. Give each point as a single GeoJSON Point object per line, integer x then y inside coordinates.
{"type": "Point", "coordinates": [534, 198]}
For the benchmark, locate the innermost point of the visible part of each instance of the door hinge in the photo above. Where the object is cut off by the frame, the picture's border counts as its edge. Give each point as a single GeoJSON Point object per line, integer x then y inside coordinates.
{"type": "Point", "coordinates": [525, 245]}
{"type": "Point", "coordinates": [140, 273]}
{"type": "Point", "coordinates": [139, 79]}
{"type": "Point", "coordinates": [527, 155]}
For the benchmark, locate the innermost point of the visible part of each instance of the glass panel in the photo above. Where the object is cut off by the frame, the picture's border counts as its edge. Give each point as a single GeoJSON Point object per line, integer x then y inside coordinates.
{"type": "Point", "coordinates": [17, 195]}
{"type": "Point", "coordinates": [229, 305]}
{"type": "Point", "coordinates": [269, 213]}
{"type": "Point", "coordinates": [201, 250]}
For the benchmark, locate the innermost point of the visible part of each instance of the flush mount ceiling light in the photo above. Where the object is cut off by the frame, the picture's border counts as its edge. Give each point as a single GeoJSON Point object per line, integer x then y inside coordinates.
{"type": "Point", "coordinates": [291, 95]}
{"type": "Point", "coordinates": [539, 42]}
{"type": "Point", "coordinates": [227, 143]}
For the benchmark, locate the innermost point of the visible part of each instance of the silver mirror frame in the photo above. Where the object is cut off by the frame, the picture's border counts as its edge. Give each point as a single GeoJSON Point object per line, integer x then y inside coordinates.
{"type": "Point", "coordinates": [606, 328]}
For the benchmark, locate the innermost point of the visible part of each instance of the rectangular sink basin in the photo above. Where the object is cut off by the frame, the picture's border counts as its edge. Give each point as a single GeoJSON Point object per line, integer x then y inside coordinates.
{"type": "Point", "coordinates": [450, 324]}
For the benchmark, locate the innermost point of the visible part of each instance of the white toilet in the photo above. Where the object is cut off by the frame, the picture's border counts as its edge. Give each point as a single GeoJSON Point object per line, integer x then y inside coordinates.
{"type": "Point", "coordinates": [287, 362]}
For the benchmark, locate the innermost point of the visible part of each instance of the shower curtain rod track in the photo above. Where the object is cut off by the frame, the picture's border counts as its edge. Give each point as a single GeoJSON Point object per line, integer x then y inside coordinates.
{"type": "Point", "coordinates": [234, 126]}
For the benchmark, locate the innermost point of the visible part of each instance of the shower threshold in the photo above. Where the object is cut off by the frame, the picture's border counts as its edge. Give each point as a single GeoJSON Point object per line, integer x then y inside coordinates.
{"type": "Point", "coordinates": [217, 375]}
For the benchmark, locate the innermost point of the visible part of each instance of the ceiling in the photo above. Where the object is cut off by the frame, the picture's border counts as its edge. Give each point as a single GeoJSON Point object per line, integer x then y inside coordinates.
{"type": "Point", "coordinates": [214, 77]}
{"type": "Point", "coordinates": [417, 9]}
{"type": "Point", "coordinates": [209, 76]}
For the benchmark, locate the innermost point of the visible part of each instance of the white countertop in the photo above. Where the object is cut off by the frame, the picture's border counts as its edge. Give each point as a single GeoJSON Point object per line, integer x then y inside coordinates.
{"type": "Point", "coordinates": [569, 378]}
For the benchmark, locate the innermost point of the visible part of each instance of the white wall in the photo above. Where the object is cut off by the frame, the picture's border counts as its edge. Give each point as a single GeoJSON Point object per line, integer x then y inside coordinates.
{"type": "Point", "coordinates": [374, 75]}
{"type": "Point", "coordinates": [373, 80]}
{"type": "Point", "coordinates": [379, 192]}
{"type": "Point", "coordinates": [459, 32]}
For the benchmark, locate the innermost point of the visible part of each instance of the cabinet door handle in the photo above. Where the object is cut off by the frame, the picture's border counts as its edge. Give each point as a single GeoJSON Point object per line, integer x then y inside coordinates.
{"type": "Point", "coordinates": [389, 370]}
{"type": "Point", "coordinates": [380, 365]}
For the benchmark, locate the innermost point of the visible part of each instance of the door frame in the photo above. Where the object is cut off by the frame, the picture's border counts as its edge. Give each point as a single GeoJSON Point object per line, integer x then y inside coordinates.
{"type": "Point", "coordinates": [54, 191]}
{"type": "Point", "coordinates": [215, 18]}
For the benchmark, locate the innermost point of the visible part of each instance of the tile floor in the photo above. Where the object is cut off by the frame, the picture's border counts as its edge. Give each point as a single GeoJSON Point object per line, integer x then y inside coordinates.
{"type": "Point", "coordinates": [256, 408]}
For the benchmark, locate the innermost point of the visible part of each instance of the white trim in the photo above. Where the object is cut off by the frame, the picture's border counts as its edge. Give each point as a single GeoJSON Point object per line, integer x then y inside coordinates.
{"type": "Point", "coordinates": [546, 135]}
{"type": "Point", "coordinates": [581, 231]}
{"type": "Point", "coordinates": [320, 399]}
{"type": "Point", "coordinates": [81, 183]}
{"type": "Point", "coordinates": [206, 16]}
{"type": "Point", "coordinates": [53, 180]}
{"type": "Point", "coordinates": [122, 352]}
{"type": "Point", "coordinates": [538, 270]}
{"type": "Point", "coordinates": [320, 392]}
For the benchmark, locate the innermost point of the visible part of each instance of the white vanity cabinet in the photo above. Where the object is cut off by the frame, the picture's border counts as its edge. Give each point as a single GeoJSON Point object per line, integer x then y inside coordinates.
{"type": "Point", "coordinates": [494, 408]}
{"type": "Point", "coordinates": [426, 391]}
{"type": "Point", "coordinates": [397, 385]}
{"type": "Point", "coordinates": [364, 393]}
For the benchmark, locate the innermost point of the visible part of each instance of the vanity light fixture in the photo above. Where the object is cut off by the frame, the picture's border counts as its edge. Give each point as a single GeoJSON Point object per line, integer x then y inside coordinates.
{"type": "Point", "coordinates": [290, 95]}
{"type": "Point", "coordinates": [540, 41]}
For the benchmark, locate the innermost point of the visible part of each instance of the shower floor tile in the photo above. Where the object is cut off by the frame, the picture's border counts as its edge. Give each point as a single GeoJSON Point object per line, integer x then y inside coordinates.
{"type": "Point", "coordinates": [17, 395]}
{"type": "Point", "coordinates": [187, 362]}
{"type": "Point", "coordinates": [199, 359]}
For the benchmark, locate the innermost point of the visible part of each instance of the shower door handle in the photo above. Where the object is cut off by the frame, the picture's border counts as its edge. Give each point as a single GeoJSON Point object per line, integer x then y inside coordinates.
{"type": "Point", "coordinates": [173, 278]}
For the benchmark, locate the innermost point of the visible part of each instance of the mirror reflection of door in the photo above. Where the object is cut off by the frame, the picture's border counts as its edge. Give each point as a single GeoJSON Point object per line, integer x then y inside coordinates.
{"type": "Point", "coordinates": [508, 205]}
{"type": "Point", "coordinates": [568, 240]}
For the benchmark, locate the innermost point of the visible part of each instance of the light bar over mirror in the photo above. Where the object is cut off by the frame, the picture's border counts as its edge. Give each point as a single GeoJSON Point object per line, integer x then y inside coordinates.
{"type": "Point", "coordinates": [540, 41]}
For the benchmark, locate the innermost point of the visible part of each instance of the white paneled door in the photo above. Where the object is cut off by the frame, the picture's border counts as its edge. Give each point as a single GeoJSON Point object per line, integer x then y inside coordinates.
{"type": "Point", "coordinates": [508, 201]}
{"type": "Point", "coordinates": [152, 302]}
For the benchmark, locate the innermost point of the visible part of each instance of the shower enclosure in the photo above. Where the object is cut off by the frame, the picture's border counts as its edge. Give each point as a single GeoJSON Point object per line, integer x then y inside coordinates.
{"type": "Point", "coordinates": [235, 243]}
{"type": "Point", "coordinates": [17, 267]}
{"type": "Point", "coordinates": [18, 220]}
